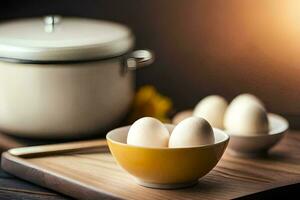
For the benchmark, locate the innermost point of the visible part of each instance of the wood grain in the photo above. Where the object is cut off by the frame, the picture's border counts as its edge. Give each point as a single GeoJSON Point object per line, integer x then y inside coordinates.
{"type": "Point", "coordinates": [16, 189]}
{"type": "Point", "coordinates": [96, 175]}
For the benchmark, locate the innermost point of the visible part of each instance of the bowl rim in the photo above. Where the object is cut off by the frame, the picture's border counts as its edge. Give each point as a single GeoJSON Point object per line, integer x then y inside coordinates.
{"type": "Point", "coordinates": [284, 126]}
{"type": "Point", "coordinates": [215, 130]}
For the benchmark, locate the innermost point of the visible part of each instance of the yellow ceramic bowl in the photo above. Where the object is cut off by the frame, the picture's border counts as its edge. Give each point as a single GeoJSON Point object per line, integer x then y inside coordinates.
{"type": "Point", "coordinates": [166, 167]}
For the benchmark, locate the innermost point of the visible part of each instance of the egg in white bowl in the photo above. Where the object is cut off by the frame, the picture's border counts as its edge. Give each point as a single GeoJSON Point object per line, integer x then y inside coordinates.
{"type": "Point", "coordinates": [212, 108]}
{"type": "Point", "coordinates": [247, 98]}
{"type": "Point", "coordinates": [244, 118]}
{"type": "Point", "coordinates": [253, 145]}
{"type": "Point", "coordinates": [253, 131]}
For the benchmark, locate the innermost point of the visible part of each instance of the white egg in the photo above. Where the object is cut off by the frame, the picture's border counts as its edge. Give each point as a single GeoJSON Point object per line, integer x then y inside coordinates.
{"type": "Point", "coordinates": [212, 108]}
{"type": "Point", "coordinates": [148, 132]}
{"type": "Point", "coordinates": [193, 131]}
{"type": "Point", "coordinates": [246, 118]}
{"type": "Point", "coordinates": [249, 98]}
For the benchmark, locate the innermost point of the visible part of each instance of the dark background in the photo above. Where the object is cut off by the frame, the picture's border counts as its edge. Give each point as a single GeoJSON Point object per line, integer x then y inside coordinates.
{"type": "Point", "coordinates": [202, 47]}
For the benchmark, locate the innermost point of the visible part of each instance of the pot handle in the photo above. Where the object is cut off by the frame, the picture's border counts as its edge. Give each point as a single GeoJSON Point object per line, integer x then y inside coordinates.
{"type": "Point", "coordinates": [137, 59]}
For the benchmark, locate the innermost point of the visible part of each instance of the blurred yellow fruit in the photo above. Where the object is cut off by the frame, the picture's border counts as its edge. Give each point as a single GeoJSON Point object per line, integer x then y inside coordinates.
{"type": "Point", "coordinates": [148, 102]}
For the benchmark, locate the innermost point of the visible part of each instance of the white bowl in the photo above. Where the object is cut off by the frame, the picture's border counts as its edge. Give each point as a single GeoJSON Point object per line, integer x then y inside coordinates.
{"type": "Point", "coordinates": [255, 145]}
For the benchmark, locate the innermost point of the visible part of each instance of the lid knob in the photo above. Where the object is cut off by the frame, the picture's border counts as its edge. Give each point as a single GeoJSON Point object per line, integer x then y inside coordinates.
{"type": "Point", "coordinates": [50, 21]}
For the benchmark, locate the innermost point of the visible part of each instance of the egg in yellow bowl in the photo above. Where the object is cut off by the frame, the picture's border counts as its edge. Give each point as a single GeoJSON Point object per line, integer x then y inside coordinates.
{"type": "Point", "coordinates": [163, 167]}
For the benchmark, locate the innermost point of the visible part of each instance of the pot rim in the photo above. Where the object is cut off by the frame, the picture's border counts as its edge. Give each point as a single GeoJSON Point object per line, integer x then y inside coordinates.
{"type": "Point", "coordinates": [44, 62]}
{"type": "Point", "coordinates": [129, 61]}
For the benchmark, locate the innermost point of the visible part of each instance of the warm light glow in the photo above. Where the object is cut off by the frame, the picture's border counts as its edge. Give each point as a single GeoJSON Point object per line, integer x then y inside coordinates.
{"type": "Point", "coordinates": [255, 43]}
{"type": "Point", "coordinates": [276, 30]}
{"type": "Point", "coordinates": [291, 15]}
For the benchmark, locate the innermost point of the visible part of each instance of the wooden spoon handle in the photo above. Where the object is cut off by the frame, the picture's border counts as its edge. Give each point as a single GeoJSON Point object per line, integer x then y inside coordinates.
{"type": "Point", "coordinates": [53, 149]}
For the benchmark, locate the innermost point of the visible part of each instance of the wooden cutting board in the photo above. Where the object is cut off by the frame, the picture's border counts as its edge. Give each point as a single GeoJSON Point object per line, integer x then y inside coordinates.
{"type": "Point", "coordinates": [97, 176]}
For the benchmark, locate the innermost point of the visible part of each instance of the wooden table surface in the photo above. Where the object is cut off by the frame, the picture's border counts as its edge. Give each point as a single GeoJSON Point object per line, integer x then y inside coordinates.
{"type": "Point", "coordinates": [14, 188]}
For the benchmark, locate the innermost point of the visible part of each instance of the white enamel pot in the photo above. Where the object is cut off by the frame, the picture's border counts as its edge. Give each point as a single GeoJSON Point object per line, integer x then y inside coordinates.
{"type": "Point", "coordinates": [65, 77]}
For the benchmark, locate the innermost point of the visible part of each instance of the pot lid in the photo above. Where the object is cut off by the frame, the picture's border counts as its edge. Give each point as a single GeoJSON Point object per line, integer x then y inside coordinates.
{"type": "Point", "coordinates": [55, 38]}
